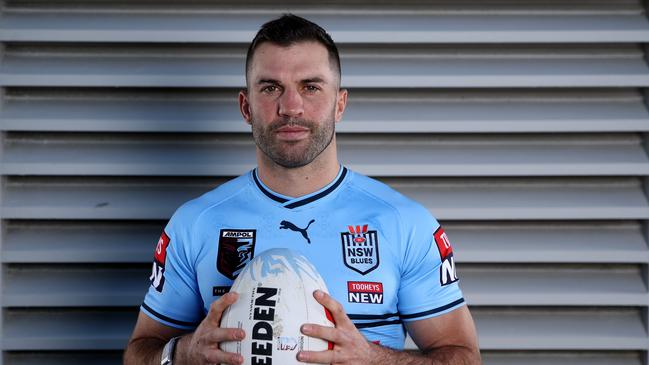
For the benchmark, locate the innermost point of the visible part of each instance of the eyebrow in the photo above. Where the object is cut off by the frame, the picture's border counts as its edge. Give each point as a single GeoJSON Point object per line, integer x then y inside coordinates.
{"type": "Point", "coordinates": [268, 81]}
{"type": "Point", "coordinates": [316, 80]}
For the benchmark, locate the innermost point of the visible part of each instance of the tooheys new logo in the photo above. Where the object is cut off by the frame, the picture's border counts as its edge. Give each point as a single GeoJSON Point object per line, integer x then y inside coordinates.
{"type": "Point", "coordinates": [364, 292]}
{"type": "Point", "coordinates": [447, 274]}
{"type": "Point", "coordinates": [159, 258]}
{"type": "Point", "coordinates": [263, 312]}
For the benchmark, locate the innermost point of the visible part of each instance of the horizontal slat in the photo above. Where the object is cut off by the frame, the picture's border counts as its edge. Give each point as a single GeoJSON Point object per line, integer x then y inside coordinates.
{"type": "Point", "coordinates": [64, 358]}
{"type": "Point", "coordinates": [488, 357]}
{"type": "Point", "coordinates": [74, 286]}
{"type": "Point", "coordinates": [393, 111]}
{"type": "Point", "coordinates": [77, 286]}
{"type": "Point", "coordinates": [357, 6]}
{"type": "Point", "coordinates": [553, 285]}
{"type": "Point", "coordinates": [561, 358]}
{"type": "Point", "coordinates": [26, 154]}
{"type": "Point", "coordinates": [233, 27]}
{"type": "Point", "coordinates": [362, 67]}
{"type": "Point", "coordinates": [547, 242]}
{"type": "Point", "coordinates": [78, 242]}
{"type": "Point", "coordinates": [493, 242]}
{"type": "Point", "coordinates": [67, 329]}
{"type": "Point", "coordinates": [498, 329]}
{"type": "Point", "coordinates": [448, 199]}
{"type": "Point", "coordinates": [569, 329]}
{"type": "Point", "coordinates": [527, 199]}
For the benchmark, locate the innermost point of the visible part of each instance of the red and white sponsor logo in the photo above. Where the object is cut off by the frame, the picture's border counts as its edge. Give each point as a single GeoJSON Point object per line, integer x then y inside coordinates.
{"type": "Point", "coordinates": [443, 244]}
{"type": "Point", "coordinates": [365, 292]}
{"type": "Point", "coordinates": [447, 273]}
{"type": "Point", "coordinates": [160, 254]}
{"type": "Point", "coordinates": [159, 259]}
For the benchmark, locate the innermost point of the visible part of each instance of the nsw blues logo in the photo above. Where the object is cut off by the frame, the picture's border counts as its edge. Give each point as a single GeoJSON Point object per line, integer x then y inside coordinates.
{"type": "Point", "coordinates": [360, 249]}
{"type": "Point", "coordinates": [236, 249]}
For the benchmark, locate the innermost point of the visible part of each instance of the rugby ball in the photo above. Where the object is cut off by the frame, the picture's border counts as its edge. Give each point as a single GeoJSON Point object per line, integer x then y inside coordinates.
{"type": "Point", "coordinates": [275, 299]}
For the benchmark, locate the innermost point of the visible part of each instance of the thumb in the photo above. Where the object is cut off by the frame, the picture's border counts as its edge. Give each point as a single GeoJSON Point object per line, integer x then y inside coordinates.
{"type": "Point", "coordinates": [219, 306]}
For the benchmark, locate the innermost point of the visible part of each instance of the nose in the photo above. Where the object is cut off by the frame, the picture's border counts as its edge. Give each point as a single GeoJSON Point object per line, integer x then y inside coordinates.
{"type": "Point", "coordinates": [290, 103]}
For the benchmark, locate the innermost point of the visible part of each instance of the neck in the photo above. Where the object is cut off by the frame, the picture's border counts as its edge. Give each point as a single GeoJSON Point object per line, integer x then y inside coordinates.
{"type": "Point", "coordinates": [299, 181]}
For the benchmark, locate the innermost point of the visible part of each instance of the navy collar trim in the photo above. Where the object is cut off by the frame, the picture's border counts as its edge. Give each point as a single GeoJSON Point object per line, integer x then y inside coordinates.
{"type": "Point", "coordinates": [266, 192]}
{"type": "Point", "coordinates": [300, 202]}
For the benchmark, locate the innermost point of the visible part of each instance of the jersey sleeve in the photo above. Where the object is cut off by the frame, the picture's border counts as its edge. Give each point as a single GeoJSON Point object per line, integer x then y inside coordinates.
{"type": "Point", "coordinates": [173, 298]}
{"type": "Point", "coordinates": [429, 284]}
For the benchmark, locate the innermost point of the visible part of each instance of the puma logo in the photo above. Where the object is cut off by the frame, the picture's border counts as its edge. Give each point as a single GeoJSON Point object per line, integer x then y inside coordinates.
{"type": "Point", "coordinates": [293, 227]}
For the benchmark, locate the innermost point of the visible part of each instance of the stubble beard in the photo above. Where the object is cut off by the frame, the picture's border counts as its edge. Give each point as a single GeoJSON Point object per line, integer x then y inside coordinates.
{"type": "Point", "coordinates": [293, 154]}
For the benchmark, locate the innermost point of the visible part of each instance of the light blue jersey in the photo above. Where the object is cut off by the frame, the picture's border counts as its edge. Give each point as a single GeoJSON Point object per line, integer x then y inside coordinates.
{"type": "Point", "coordinates": [382, 255]}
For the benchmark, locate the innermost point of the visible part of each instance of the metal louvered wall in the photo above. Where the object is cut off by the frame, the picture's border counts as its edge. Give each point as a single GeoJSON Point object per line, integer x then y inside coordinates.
{"type": "Point", "coordinates": [522, 125]}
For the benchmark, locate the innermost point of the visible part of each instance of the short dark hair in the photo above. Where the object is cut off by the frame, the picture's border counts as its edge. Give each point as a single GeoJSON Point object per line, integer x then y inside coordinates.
{"type": "Point", "coordinates": [290, 29]}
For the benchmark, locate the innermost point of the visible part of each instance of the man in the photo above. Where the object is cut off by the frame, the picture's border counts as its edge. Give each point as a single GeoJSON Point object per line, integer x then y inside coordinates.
{"type": "Point", "coordinates": [363, 237]}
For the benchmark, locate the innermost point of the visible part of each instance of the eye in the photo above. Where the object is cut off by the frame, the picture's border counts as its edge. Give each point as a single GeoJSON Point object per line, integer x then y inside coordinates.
{"type": "Point", "coordinates": [311, 88]}
{"type": "Point", "coordinates": [269, 89]}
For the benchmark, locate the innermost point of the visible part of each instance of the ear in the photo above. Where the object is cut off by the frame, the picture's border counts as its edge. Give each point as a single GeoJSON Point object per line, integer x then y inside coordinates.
{"type": "Point", "coordinates": [244, 106]}
{"type": "Point", "coordinates": [341, 104]}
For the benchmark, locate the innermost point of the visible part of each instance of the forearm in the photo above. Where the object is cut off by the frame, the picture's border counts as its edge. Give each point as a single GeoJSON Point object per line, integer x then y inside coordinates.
{"type": "Point", "coordinates": [447, 355]}
{"type": "Point", "coordinates": [143, 351]}
{"type": "Point", "coordinates": [148, 351]}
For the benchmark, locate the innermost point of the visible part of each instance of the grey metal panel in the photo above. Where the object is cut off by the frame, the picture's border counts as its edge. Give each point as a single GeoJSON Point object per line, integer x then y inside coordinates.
{"type": "Point", "coordinates": [96, 200]}
{"type": "Point", "coordinates": [521, 199]}
{"type": "Point", "coordinates": [67, 329]}
{"type": "Point", "coordinates": [534, 242]}
{"type": "Point", "coordinates": [344, 6]}
{"type": "Point", "coordinates": [234, 27]}
{"type": "Point", "coordinates": [520, 329]}
{"type": "Point", "coordinates": [390, 111]}
{"type": "Point", "coordinates": [621, 66]}
{"type": "Point", "coordinates": [564, 358]}
{"type": "Point", "coordinates": [548, 285]}
{"type": "Point", "coordinates": [430, 155]}
{"type": "Point", "coordinates": [65, 358]}
{"type": "Point", "coordinates": [74, 286]}
{"type": "Point", "coordinates": [77, 242]}
{"type": "Point", "coordinates": [510, 48]}
{"type": "Point", "coordinates": [552, 285]}
{"type": "Point", "coordinates": [529, 329]}
{"type": "Point", "coordinates": [448, 199]}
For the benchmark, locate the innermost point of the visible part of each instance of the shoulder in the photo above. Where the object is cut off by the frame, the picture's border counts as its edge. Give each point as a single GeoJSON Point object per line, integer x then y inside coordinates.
{"type": "Point", "coordinates": [408, 210]}
{"type": "Point", "coordinates": [192, 209]}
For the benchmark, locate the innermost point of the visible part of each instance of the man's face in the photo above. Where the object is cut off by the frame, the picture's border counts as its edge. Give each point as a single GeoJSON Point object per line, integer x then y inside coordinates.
{"type": "Point", "coordinates": [292, 102]}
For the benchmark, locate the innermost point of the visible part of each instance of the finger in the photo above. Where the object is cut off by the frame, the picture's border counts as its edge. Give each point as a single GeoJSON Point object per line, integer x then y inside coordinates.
{"type": "Point", "coordinates": [218, 307]}
{"type": "Point", "coordinates": [222, 357]}
{"type": "Point", "coordinates": [316, 357]}
{"type": "Point", "coordinates": [225, 334]}
{"type": "Point", "coordinates": [336, 309]}
{"type": "Point", "coordinates": [326, 333]}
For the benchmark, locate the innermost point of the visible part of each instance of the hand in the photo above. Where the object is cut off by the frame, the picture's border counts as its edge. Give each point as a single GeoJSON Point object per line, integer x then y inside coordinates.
{"type": "Point", "coordinates": [350, 347]}
{"type": "Point", "coordinates": [203, 347]}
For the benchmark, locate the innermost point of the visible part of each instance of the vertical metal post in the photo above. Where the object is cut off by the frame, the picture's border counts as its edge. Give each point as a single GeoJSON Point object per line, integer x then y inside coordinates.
{"type": "Point", "coordinates": [2, 221]}
{"type": "Point", "coordinates": [645, 223]}
{"type": "Point", "coordinates": [2, 236]}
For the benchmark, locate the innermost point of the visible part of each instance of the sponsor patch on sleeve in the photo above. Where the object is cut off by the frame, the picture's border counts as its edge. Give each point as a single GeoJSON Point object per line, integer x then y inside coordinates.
{"type": "Point", "coordinates": [159, 258]}
{"type": "Point", "coordinates": [365, 292]}
{"type": "Point", "coordinates": [447, 274]}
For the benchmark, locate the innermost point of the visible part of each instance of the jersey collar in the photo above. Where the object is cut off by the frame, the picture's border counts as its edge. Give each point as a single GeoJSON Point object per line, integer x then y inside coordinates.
{"type": "Point", "coordinates": [291, 203]}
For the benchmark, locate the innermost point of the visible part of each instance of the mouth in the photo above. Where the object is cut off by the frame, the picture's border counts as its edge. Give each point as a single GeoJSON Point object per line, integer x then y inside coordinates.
{"type": "Point", "coordinates": [292, 133]}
